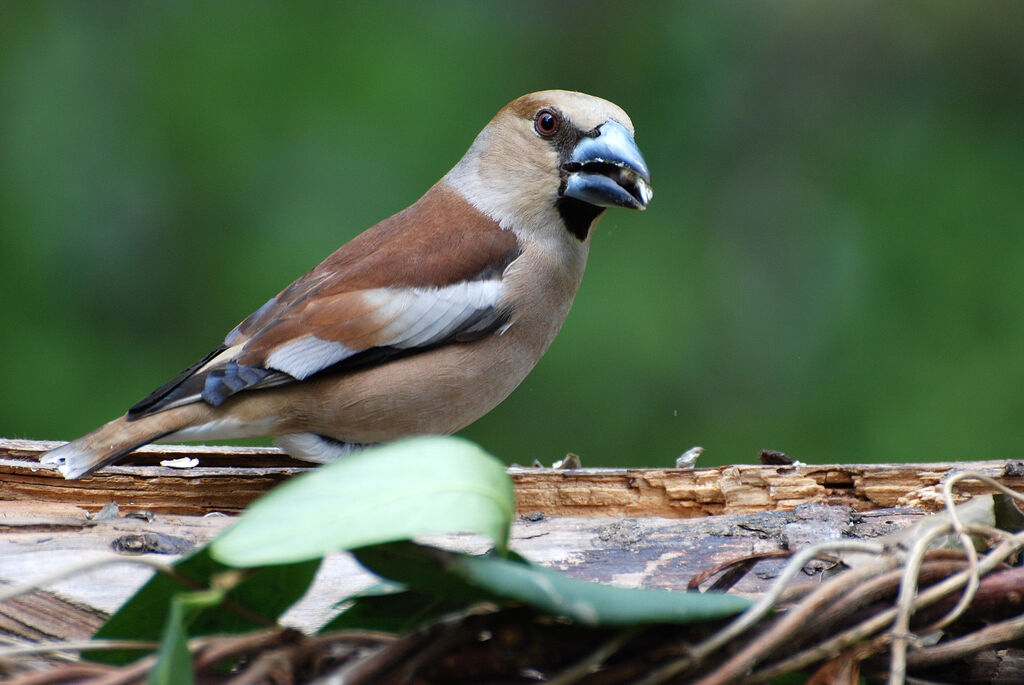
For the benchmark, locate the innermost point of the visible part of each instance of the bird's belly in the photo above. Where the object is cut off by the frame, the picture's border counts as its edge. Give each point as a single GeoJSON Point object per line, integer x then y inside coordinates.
{"type": "Point", "coordinates": [439, 392]}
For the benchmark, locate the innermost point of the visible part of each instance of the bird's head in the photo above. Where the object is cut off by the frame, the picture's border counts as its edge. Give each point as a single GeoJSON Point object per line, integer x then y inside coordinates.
{"type": "Point", "coordinates": [554, 157]}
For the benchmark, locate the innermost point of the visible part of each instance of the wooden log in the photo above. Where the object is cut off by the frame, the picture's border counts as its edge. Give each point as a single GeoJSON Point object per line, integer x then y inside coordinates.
{"type": "Point", "coordinates": [647, 552]}
{"type": "Point", "coordinates": [228, 478]}
{"type": "Point", "coordinates": [41, 615]}
{"type": "Point", "coordinates": [637, 527]}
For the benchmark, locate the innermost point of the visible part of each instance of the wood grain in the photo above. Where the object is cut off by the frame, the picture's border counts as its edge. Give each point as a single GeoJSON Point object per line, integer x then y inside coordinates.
{"type": "Point", "coordinates": [228, 478]}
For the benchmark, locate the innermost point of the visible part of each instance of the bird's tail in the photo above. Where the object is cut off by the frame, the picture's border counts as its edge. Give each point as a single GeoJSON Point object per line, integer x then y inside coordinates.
{"type": "Point", "coordinates": [117, 438]}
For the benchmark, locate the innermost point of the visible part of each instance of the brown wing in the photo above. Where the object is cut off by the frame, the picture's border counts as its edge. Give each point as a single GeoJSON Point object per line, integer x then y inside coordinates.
{"type": "Point", "coordinates": [427, 276]}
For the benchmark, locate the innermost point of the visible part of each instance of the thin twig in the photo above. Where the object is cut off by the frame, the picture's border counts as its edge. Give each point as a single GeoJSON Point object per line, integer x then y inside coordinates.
{"type": "Point", "coordinates": [905, 600]}
{"type": "Point", "coordinates": [268, 660]}
{"type": "Point", "coordinates": [76, 646]}
{"type": "Point", "coordinates": [139, 669]}
{"type": "Point", "coordinates": [965, 540]}
{"type": "Point", "coordinates": [211, 650]}
{"type": "Point", "coordinates": [337, 647]}
{"type": "Point", "coordinates": [765, 604]}
{"type": "Point", "coordinates": [837, 643]}
{"type": "Point", "coordinates": [966, 543]}
{"type": "Point", "coordinates": [132, 673]}
{"type": "Point", "coordinates": [974, 529]}
{"type": "Point", "coordinates": [83, 567]}
{"type": "Point", "coordinates": [368, 668]}
{"type": "Point", "coordinates": [812, 619]}
{"type": "Point", "coordinates": [754, 614]}
{"type": "Point", "coordinates": [739, 565]}
{"type": "Point", "coordinates": [908, 586]}
{"type": "Point", "coordinates": [594, 660]}
{"type": "Point", "coordinates": [77, 672]}
{"type": "Point", "coordinates": [159, 566]}
{"type": "Point", "coordinates": [875, 590]}
{"type": "Point", "coordinates": [953, 650]}
{"type": "Point", "coordinates": [988, 481]}
{"type": "Point", "coordinates": [782, 630]}
{"type": "Point", "coordinates": [454, 635]}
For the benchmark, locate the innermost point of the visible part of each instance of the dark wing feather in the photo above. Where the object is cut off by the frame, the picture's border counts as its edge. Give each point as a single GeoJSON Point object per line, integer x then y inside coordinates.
{"type": "Point", "coordinates": [147, 403]}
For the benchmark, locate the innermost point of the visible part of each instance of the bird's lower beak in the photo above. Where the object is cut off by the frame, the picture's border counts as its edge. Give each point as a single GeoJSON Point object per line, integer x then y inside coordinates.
{"type": "Point", "coordinates": [608, 170]}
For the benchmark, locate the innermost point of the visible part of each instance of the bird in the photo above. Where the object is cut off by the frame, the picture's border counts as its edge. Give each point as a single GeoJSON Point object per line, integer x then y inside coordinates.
{"type": "Point", "coordinates": [424, 322]}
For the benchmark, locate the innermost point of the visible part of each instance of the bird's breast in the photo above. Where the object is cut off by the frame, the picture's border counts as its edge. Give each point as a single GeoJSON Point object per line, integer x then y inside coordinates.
{"type": "Point", "coordinates": [447, 388]}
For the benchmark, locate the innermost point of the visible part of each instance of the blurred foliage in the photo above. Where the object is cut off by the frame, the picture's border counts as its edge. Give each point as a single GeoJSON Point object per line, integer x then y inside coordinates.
{"type": "Point", "coordinates": [831, 266]}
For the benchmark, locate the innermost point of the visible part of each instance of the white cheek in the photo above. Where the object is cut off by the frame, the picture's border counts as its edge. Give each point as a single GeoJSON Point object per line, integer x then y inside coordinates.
{"type": "Point", "coordinates": [512, 177]}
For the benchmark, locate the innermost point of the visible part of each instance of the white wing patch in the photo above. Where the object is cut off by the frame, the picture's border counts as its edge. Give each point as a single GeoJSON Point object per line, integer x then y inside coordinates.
{"type": "Point", "coordinates": [305, 356]}
{"type": "Point", "coordinates": [421, 316]}
{"type": "Point", "coordinates": [410, 318]}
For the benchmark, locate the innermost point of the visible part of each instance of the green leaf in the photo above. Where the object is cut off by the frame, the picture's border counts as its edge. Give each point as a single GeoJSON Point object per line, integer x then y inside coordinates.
{"type": "Point", "coordinates": [428, 485]}
{"type": "Point", "coordinates": [267, 592]}
{"type": "Point", "coordinates": [391, 608]}
{"type": "Point", "coordinates": [174, 663]}
{"type": "Point", "coordinates": [592, 603]}
{"type": "Point", "coordinates": [468, 577]}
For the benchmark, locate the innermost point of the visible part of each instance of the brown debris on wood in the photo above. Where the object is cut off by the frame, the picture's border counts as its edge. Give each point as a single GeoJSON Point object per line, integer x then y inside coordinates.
{"type": "Point", "coordinates": [685, 493]}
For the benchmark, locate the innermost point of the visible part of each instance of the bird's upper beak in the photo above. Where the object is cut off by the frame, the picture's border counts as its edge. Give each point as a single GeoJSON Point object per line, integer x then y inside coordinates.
{"type": "Point", "coordinates": [608, 170]}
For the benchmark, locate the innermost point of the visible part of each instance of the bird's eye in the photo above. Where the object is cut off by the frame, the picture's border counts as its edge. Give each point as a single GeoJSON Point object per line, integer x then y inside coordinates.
{"type": "Point", "coordinates": [546, 123]}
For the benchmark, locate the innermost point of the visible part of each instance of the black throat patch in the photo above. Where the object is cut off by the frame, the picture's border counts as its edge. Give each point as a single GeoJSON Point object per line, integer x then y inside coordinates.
{"type": "Point", "coordinates": [577, 215]}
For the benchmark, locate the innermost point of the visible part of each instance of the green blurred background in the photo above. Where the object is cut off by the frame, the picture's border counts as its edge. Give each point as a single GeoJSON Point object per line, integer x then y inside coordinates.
{"type": "Point", "coordinates": [831, 265]}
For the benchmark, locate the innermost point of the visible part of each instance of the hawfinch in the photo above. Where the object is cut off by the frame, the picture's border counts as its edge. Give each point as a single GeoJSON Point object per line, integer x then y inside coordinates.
{"type": "Point", "coordinates": [423, 323]}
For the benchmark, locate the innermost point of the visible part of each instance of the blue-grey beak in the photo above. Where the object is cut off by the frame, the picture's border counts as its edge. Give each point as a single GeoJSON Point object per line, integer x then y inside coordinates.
{"type": "Point", "coordinates": [608, 170]}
